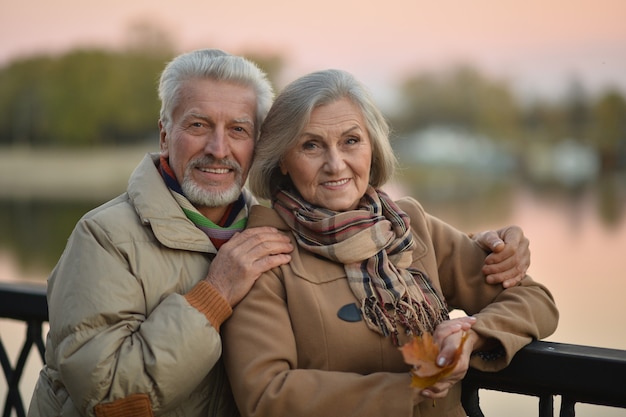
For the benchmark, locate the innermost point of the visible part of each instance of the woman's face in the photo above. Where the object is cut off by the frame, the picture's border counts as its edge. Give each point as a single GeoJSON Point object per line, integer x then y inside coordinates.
{"type": "Point", "coordinates": [331, 160]}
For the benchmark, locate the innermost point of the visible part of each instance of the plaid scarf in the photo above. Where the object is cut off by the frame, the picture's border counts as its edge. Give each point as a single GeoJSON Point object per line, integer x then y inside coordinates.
{"type": "Point", "coordinates": [234, 219]}
{"type": "Point", "coordinates": [374, 242]}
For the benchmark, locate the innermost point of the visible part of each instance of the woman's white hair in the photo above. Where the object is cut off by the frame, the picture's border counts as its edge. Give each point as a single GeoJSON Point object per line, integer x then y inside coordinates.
{"type": "Point", "coordinates": [290, 114]}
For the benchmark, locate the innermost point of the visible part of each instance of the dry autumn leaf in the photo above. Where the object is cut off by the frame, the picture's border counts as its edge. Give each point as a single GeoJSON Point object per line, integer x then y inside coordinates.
{"type": "Point", "coordinates": [421, 352]}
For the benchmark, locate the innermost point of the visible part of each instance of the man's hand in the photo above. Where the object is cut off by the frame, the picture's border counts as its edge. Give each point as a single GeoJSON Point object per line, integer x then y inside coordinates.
{"type": "Point", "coordinates": [247, 255]}
{"type": "Point", "coordinates": [509, 258]}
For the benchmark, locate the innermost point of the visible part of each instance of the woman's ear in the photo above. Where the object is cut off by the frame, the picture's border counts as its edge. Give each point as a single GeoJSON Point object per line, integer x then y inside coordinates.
{"type": "Point", "coordinates": [283, 170]}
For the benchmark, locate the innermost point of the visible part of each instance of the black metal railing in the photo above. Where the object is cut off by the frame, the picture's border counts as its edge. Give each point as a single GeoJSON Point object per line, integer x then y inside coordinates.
{"type": "Point", "coordinates": [26, 303]}
{"type": "Point", "coordinates": [578, 374]}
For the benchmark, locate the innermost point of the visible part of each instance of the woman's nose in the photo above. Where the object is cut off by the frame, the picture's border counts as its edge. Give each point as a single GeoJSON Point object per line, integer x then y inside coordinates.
{"type": "Point", "coordinates": [334, 160]}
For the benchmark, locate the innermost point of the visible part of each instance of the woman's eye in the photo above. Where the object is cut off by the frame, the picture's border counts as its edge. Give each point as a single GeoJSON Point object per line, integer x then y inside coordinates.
{"type": "Point", "coordinates": [309, 145]}
{"type": "Point", "coordinates": [352, 140]}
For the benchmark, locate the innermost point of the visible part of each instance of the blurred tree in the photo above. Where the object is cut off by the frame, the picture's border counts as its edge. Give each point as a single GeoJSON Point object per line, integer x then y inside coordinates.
{"type": "Point", "coordinates": [461, 98]}
{"type": "Point", "coordinates": [92, 97]}
{"type": "Point", "coordinates": [106, 97]}
{"type": "Point", "coordinates": [551, 121]}
{"type": "Point", "coordinates": [544, 121]}
{"type": "Point", "coordinates": [577, 111]}
{"type": "Point", "coordinates": [608, 129]}
{"type": "Point", "coordinates": [85, 97]}
{"type": "Point", "coordinates": [22, 101]}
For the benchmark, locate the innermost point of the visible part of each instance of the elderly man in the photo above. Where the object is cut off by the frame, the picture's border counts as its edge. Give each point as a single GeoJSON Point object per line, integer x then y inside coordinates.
{"type": "Point", "coordinates": [137, 299]}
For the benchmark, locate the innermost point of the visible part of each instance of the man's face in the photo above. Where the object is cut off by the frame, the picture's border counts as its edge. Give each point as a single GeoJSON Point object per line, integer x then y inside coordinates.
{"type": "Point", "coordinates": [210, 142]}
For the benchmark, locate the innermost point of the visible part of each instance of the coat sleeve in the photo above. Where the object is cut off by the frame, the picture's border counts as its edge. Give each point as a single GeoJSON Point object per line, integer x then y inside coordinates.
{"type": "Point", "coordinates": [509, 318]}
{"type": "Point", "coordinates": [260, 355]}
{"type": "Point", "coordinates": [114, 333]}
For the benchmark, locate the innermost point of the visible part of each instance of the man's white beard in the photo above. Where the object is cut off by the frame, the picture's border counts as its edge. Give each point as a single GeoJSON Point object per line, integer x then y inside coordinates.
{"type": "Point", "coordinates": [200, 197]}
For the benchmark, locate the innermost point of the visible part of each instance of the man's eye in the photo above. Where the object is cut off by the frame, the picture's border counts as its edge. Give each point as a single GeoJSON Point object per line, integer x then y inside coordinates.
{"type": "Point", "coordinates": [240, 132]}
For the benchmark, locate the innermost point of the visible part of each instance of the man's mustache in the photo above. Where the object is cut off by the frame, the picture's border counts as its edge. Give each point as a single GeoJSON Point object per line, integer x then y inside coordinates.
{"type": "Point", "coordinates": [210, 161]}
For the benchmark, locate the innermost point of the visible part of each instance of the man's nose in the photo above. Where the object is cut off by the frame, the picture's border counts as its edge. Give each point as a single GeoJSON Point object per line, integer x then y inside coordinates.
{"type": "Point", "coordinates": [217, 144]}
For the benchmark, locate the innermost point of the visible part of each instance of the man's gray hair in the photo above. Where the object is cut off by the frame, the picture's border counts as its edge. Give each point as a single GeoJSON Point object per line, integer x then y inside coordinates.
{"type": "Point", "coordinates": [216, 65]}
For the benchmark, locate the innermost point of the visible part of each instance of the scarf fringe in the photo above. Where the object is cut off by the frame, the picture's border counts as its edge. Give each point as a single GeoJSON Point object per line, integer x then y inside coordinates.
{"type": "Point", "coordinates": [416, 318]}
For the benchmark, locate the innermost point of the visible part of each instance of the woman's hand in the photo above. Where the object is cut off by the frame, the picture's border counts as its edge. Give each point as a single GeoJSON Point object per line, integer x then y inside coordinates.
{"type": "Point", "coordinates": [448, 336]}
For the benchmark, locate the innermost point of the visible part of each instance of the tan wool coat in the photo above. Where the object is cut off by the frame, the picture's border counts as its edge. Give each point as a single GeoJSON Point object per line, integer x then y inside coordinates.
{"type": "Point", "coordinates": [288, 353]}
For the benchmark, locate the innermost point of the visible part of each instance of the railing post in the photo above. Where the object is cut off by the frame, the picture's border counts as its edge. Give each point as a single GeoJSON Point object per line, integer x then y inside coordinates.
{"type": "Point", "coordinates": [470, 400]}
{"type": "Point", "coordinates": [13, 400]}
{"type": "Point", "coordinates": [546, 406]}
{"type": "Point", "coordinates": [10, 401]}
{"type": "Point", "coordinates": [28, 304]}
{"type": "Point", "coordinates": [567, 407]}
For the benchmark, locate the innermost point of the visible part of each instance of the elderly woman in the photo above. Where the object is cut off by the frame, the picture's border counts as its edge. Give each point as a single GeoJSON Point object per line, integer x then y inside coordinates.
{"type": "Point", "coordinates": [320, 336]}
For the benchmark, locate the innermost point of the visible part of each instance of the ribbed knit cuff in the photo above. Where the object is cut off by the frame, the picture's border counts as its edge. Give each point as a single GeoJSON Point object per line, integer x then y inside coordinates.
{"type": "Point", "coordinates": [209, 302]}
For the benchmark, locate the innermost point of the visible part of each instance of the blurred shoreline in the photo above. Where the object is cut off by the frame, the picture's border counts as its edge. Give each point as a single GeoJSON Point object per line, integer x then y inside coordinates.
{"type": "Point", "coordinates": [68, 174]}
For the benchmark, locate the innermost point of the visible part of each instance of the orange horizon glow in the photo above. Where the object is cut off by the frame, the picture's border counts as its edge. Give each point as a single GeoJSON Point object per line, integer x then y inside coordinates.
{"type": "Point", "coordinates": [533, 41]}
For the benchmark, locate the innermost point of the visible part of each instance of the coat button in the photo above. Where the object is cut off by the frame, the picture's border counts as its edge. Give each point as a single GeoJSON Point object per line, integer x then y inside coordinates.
{"type": "Point", "coordinates": [349, 312]}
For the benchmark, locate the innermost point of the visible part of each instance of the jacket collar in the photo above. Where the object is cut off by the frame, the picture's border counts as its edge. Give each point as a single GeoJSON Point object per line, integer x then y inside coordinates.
{"type": "Point", "coordinates": [157, 208]}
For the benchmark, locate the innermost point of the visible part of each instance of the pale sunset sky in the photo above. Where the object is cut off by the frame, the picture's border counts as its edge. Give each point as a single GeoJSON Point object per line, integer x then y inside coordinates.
{"type": "Point", "coordinates": [539, 45]}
